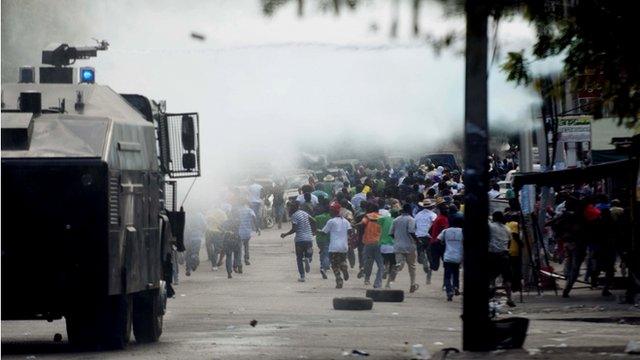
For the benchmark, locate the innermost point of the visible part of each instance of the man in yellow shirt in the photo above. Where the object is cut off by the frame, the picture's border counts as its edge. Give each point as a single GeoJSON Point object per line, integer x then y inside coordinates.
{"type": "Point", "coordinates": [514, 252]}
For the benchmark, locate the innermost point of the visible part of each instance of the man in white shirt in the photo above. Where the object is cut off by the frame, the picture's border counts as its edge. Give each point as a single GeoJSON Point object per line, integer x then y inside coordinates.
{"type": "Point", "coordinates": [452, 239]}
{"type": "Point", "coordinates": [494, 192]}
{"type": "Point", "coordinates": [314, 199]}
{"type": "Point", "coordinates": [338, 229]}
{"type": "Point", "coordinates": [255, 200]}
{"type": "Point", "coordinates": [424, 218]}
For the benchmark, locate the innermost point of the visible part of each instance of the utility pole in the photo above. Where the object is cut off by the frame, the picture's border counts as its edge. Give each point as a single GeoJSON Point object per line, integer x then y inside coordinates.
{"type": "Point", "coordinates": [476, 325]}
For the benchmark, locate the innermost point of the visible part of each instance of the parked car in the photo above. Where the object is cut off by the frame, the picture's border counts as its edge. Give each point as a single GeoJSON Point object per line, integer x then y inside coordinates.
{"type": "Point", "coordinates": [446, 160]}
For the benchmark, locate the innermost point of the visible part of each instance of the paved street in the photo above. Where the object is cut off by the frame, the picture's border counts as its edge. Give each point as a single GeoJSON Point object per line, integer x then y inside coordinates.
{"type": "Point", "coordinates": [210, 319]}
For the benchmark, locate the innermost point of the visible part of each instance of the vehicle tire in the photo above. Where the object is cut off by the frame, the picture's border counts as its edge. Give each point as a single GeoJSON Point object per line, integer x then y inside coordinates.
{"type": "Point", "coordinates": [105, 326]}
{"type": "Point", "coordinates": [352, 303]}
{"type": "Point", "coordinates": [385, 295]}
{"type": "Point", "coordinates": [147, 316]}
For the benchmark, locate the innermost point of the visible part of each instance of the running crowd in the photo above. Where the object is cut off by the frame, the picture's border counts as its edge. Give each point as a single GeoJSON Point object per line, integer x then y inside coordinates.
{"type": "Point", "coordinates": [391, 218]}
{"type": "Point", "coordinates": [396, 218]}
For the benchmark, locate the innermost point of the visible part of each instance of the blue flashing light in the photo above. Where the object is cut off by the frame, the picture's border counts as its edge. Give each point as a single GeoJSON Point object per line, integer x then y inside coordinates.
{"type": "Point", "coordinates": [87, 75]}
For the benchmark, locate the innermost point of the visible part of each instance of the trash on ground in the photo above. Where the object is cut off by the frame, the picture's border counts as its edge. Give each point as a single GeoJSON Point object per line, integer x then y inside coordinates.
{"type": "Point", "coordinates": [253, 323]}
{"type": "Point", "coordinates": [183, 295]}
{"type": "Point", "coordinates": [633, 347]}
{"type": "Point", "coordinates": [438, 343]}
{"type": "Point", "coordinates": [230, 327]}
{"type": "Point", "coordinates": [420, 352]}
{"type": "Point", "coordinates": [359, 352]}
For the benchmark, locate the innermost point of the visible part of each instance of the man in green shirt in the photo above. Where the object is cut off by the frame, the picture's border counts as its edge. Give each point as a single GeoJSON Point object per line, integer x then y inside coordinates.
{"type": "Point", "coordinates": [322, 239]}
{"type": "Point", "coordinates": [386, 246]}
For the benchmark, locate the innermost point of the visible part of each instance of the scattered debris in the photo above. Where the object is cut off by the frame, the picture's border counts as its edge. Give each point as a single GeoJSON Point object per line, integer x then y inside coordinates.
{"type": "Point", "coordinates": [357, 352]}
{"type": "Point", "coordinates": [438, 343]}
{"type": "Point", "coordinates": [533, 351]}
{"type": "Point", "coordinates": [183, 295]}
{"type": "Point", "coordinates": [253, 323]}
{"type": "Point", "coordinates": [395, 314]}
{"type": "Point", "coordinates": [345, 353]}
{"type": "Point", "coordinates": [420, 352]}
{"type": "Point", "coordinates": [633, 347]}
{"type": "Point", "coordinates": [57, 337]}
{"type": "Point", "coordinates": [451, 329]}
{"type": "Point", "coordinates": [230, 327]}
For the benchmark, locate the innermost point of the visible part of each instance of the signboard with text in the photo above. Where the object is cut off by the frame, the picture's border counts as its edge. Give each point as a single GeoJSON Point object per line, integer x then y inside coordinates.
{"type": "Point", "coordinates": [574, 128]}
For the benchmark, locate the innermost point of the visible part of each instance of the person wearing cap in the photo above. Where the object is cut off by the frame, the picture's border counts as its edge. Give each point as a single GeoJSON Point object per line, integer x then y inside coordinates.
{"type": "Point", "coordinates": [371, 248]}
{"type": "Point", "coordinates": [424, 219]}
{"type": "Point", "coordinates": [327, 184]}
{"type": "Point", "coordinates": [338, 229]}
{"type": "Point", "coordinates": [403, 232]}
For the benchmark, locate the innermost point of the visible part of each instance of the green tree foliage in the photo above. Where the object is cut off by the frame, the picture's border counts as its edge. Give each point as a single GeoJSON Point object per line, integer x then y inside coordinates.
{"type": "Point", "coordinates": [594, 37]}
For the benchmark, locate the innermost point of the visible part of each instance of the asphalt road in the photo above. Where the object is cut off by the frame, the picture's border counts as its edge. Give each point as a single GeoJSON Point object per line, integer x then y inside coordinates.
{"type": "Point", "coordinates": [210, 319]}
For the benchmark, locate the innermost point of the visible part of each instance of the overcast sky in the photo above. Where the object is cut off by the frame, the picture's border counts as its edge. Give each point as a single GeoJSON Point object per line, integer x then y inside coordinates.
{"type": "Point", "coordinates": [265, 85]}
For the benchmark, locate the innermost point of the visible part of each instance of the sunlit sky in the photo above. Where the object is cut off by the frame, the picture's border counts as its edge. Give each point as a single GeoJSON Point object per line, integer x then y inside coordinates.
{"type": "Point", "coordinates": [266, 85]}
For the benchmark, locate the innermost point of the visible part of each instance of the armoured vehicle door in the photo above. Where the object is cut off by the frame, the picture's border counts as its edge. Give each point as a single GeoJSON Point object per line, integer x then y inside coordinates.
{"type": "Point", "coordinates": [179, 142]}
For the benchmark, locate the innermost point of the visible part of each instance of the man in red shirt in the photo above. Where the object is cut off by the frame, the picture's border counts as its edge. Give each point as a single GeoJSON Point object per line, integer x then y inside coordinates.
{"type": "Point", "coordinates": [436, 248]}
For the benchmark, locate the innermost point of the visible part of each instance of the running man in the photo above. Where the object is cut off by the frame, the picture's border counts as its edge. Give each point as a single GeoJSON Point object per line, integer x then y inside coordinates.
{"type": "Point", "coordinates": [303, 225]}
{"type": "Point", "coordinates": [338, 229]}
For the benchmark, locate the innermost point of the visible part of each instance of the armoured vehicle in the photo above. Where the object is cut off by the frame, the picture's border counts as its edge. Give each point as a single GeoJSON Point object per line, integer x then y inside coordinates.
{"type": "Point", "coordinates": [89, 217]}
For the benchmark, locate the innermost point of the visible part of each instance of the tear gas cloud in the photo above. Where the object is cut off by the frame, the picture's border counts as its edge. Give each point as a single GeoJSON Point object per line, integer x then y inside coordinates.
{"type": "Point", "coordinates": [268, 88]}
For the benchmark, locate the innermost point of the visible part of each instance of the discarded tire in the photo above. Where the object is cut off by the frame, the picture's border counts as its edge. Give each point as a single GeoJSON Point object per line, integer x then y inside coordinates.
{"type": "Point", "coordinates": [386, 295]}
{"type": "Point", "coordinates": [352, 303]}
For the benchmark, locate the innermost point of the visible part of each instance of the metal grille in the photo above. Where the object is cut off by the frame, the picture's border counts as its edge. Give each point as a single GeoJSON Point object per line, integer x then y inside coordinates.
{"type": "Point", "coordinates": [114, 200]}
{"type": "Point", "coordinates": [171, 146]}
{"type": "Point", "coordinates": [170, 195]}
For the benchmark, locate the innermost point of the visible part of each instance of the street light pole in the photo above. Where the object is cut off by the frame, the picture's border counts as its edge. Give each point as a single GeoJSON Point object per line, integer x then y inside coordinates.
{"type": "Point", "coordinates": [476, 327]}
